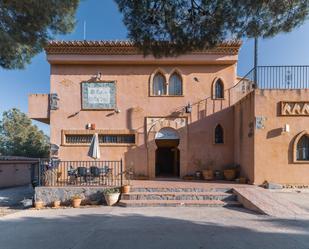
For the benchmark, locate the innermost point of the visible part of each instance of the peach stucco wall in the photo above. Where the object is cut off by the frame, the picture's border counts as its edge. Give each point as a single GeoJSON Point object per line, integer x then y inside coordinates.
{"type": "Point", "coordinates": [274, 148]}
{"type": "Point", "coordinates": [244, 135]}
{"type": "Point", "coordinates": [38, 107]}
{"type": "Point", "coordinates": [135, 104]}
{"type": "Point", "coordinates": [263, 154]}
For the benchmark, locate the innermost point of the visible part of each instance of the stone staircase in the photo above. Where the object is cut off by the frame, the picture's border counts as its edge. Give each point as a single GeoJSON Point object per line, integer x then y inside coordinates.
{"type": "Point", "coordinates": [174, 197]}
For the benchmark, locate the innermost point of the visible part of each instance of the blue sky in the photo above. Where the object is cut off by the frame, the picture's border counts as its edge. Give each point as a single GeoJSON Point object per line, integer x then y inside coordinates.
{"type": "Point", "coordinates": [104, 22]}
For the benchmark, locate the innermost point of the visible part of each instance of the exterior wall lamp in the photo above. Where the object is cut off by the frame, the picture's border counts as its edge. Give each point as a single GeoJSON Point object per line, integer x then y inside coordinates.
{"type": "Point", "coordinates": [188, 108]}
{"type": "Point", "coordinates": [117, 110]}
{"type": "Point", "coordinates": [286, 128]}
{"type": "Point", "coordinates": [98, 76]}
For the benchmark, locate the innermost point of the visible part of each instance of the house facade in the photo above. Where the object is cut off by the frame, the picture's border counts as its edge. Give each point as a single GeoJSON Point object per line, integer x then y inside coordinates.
{"type": "Point", "coordinates": [170, 117]}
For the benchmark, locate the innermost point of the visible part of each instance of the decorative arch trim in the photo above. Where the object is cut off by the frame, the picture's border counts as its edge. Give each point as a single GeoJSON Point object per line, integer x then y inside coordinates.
{"type": "Point", "coordinates": [296, 140]}
{"type": "Point", "coordinates": [179, 73]}
{"type": "Point", "coordinates": [151, 78]}
{"type": "Point", "coordinates": [213, 88]}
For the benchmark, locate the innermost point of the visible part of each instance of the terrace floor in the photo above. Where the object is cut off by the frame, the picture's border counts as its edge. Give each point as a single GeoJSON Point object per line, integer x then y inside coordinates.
{"type": "Point", "coordinates": [177, 183]}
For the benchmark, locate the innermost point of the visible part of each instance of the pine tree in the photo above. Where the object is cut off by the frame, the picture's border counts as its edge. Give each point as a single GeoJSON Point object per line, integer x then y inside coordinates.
{"type": "Point", "coordinates": [27, 25]}
{"type": "Point", "coordinates": [173, 27]}
{"type": "Point", "coordinates": [19, 137]}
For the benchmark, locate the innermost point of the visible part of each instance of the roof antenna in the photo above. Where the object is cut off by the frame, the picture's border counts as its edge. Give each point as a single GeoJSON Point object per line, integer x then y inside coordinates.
{"type": "Point", "coordinates": [84, 30]}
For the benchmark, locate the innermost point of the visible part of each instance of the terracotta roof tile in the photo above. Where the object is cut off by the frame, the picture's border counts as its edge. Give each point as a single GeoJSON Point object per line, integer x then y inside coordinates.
{"type": "Point", "coordinates": [123, 47]}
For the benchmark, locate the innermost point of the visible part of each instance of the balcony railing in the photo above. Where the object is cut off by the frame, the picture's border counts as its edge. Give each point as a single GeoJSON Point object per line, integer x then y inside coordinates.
{"type": "Point", "coordinates": [281, 77]}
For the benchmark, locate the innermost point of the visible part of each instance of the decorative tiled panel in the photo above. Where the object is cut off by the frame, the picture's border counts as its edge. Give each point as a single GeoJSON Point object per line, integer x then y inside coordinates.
{"type": "Point", "coordinates": [300, 108]}
{"type": "Point", "coordinates": [98, 95]}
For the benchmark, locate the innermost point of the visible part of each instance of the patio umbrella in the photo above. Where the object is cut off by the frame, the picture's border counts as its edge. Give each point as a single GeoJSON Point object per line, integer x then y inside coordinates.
{"type": "Point", "coordinates": [94, 150]}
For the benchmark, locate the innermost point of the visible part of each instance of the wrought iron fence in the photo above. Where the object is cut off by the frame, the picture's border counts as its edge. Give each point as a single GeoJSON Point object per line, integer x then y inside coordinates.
{"type": "Point", "coordinates": [80, 173]}
{"type": "Point", "coordinates": [282, 77]}
{"type": "Point", "coordinates": [269, 77]}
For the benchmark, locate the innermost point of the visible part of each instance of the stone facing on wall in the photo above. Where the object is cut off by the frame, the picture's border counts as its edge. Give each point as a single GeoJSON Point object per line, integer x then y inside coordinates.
{"type": "Point", "coordinates": [65, 194]}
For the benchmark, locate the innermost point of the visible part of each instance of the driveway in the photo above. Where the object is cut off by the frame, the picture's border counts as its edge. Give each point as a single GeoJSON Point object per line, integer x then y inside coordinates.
{"type": "Point", "coordinates": [164, 228]}
{"type": "Point", "coordinates": [10, 198]}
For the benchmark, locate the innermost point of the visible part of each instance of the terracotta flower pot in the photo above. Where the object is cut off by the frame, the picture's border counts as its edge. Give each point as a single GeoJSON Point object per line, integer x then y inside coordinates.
{"type": "Point", "coordinates": [125, 189]}
{"type": "Point", "coordinates": [56, 204]}
{"type": "Point", "coordinates": [229, 174]}
{"type": "Point", "coordinates": [39, 204]}
{"type": "Point", "coordinates": [208, 174]}
{"type": "Point", "coordinates": [111, 199]}
{"type": "Point", "coordinates": [76, 203]}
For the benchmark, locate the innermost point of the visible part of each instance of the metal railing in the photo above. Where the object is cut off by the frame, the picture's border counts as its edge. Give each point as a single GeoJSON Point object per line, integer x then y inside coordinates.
{"type": "Point", "coordinates": [282, 77]}
{"type": "Point", "coordinates": [244, 86]}
{"type": "Point", "coordinates": [80, 173]}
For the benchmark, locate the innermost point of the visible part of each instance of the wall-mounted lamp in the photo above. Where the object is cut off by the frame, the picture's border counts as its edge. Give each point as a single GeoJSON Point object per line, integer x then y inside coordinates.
{"type": "Point", "coordinates": [90, 126]}
{"type": "Point", "coordinates": [188, 108]}
{"type": "Point", "coordinates": [286, 128]}
{"type": "Point", "coordinates": [98, 76]}
{"type": "Point", "coordinates": [117, 110]}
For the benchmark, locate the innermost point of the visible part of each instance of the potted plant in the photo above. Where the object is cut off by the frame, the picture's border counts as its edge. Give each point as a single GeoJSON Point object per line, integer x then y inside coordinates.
{"type": "Point", "coordinates": [39, 204]}
{"type": "Point", "coordinates": [125, 189]}
{"type": "Point", "coordinates": [111, 196]}
{"type": "Point", "coordinates": [208, 173]}
{"type": "Point", "coordinates": [76, 201]}
{"type": "Point", "coordinates": [218, 175]}
{"type": "Point", "coordinates": [56, 204]}
{"type": "Point", "coordinates": [198, 175]}
{"type": "Point", "coordinates": [188, 177]}
{"type": "Point", "coordinates": [230, 172]}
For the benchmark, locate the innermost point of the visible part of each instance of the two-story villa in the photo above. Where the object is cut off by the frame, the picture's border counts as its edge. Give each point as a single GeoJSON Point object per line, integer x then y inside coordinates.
{"type": "Point", "coordinates": [174, 116]}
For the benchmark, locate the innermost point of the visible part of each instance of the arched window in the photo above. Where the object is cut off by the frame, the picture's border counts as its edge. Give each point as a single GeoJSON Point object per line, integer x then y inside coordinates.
{"type": "Point", "coordinates": [159, 85]}
{"type": "Point", "coordinates": [219, 89]}
{"type": "Point", "coordinates": [219, 138]}
{"type": "Point", "coordinates": [302, 150]}
{"type": "Point", "coordinates": [175, 85]}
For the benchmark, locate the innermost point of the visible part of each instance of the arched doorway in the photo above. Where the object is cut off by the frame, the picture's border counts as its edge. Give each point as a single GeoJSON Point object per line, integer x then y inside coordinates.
{"type": "Point", "coordinates": [167, 158]}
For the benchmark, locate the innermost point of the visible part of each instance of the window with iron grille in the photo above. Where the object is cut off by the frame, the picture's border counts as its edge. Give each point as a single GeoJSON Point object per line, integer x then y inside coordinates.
{"type": "Point", "coordinates": [103, 139]}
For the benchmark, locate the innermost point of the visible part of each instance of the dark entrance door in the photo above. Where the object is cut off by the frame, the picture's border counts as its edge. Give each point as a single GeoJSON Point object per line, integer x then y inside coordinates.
{"type": "Point", "coordinates": [167, 162]}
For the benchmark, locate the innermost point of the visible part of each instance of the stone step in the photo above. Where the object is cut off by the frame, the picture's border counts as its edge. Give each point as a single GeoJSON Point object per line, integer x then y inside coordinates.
{"type": "Point", "coordinates": [179, 196]}
{"type": "Point", "coordinates": [178, 203]}
{"type": "Point", "coordinates": [179, 189]}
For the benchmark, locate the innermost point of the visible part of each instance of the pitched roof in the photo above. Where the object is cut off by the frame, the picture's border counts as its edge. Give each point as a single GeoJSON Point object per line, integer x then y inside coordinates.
{"type": "Point", "coordinates": [119, 47]}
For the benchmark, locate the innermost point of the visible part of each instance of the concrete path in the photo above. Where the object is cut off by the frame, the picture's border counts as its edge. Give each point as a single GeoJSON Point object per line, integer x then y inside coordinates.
{"type": "Point", "coordinates": [298, 197]}
{"type": "Point", "coordinates": [266, 202]}
{"type": "Point", "coordinates": [164, 228]}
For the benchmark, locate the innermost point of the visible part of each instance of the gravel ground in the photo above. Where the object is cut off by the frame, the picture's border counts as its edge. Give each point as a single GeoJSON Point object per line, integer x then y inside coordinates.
{"type": "Point", "coordinates": [10, 199]}
{"type": "Point", "coordinates": [164, 228]}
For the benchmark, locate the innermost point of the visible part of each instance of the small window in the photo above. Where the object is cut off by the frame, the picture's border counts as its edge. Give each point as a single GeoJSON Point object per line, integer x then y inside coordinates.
{"type": "Point", "coordinates": [302, 153]}
{"type": "Point", "coordinates": [159, 85]}
{"type": "Point", "coordinates": [219, 138]}
{"type": "Point", "coordinates": [219, 89]}
{"type": "Point", "coordinates": [175, 85]}
{"type": "Point", "coordinates": [103, 139]}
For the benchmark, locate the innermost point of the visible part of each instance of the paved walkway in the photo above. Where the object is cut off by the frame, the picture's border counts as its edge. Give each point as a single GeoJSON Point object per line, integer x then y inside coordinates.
{"type": "Point", "coordinates": [299, 198]}
{"type": "Point", "coordinates": [164, 228]}
{"type": "Point", "coordinates": [267, 202]}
